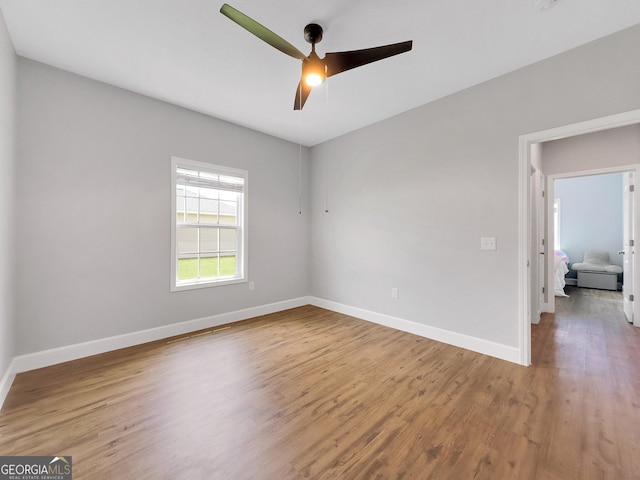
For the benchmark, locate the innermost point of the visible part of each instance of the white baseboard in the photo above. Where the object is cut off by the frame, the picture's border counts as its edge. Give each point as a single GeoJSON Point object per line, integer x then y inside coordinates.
{"type": "Point", "coordinates": [23, 363]}
{"type": "Point", "coordinates": [45, 358]}
{"type": "Point", "coordinates": [486, 347]}
{"type": "Point", "coordinates": [7, 380]}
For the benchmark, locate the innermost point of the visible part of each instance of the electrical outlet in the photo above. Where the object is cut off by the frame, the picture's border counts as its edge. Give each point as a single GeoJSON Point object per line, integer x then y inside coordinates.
{"type": "Point", "coordinates": [252, 285]}
{"type": "Point", "coordinates": [394, 292]}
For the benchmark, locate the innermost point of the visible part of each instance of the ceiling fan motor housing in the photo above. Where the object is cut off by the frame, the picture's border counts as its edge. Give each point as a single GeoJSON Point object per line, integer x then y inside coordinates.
{"type": "Point", "coordinates": [313, 33]}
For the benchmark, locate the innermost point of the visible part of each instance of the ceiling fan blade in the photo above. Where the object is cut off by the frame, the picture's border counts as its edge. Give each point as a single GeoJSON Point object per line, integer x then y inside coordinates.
{"type": "Point", "coordinates": [302, 93]}
{"type": "Point", "coordinates": [338, 62]}
{"type": "Point", "coordinates": [261, 32]}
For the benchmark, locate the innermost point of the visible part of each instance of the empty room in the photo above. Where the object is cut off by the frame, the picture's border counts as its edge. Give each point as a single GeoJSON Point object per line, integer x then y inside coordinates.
{"type": "Point", "coordinates": [287, 240]}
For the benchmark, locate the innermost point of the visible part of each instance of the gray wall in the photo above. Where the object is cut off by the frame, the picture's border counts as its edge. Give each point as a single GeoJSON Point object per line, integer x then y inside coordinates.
{"type": "Point", "coordinates": [615, 147]}
{"type": "Point", "coordinates": [410, 197]}
{"type": "Point", "coordinates": [94, 224]}
{"type": "Point", "coordinates": [7, 203]}
{"type": "Point", "coordinates": [590, 215]}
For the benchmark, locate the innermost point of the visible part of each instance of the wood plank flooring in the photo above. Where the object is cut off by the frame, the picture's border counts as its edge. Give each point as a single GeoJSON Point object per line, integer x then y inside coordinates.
{"type": "Point", "coordinates": [309, 393]}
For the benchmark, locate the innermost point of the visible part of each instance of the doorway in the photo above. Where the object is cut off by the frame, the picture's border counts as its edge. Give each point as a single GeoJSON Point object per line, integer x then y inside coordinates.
{"type": "Point", "coordinates": [524, 225]}
{"type": "Point", "coordinates": [592, 211]}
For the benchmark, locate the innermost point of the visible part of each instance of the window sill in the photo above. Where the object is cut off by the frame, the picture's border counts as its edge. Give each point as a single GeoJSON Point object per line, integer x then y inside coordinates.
{"type": "Point", "coordinates": [206, 284]}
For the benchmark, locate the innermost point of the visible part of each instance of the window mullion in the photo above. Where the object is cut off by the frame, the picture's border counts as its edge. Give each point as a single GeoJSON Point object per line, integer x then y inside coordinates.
{"type": "Point", "coordinates": [198, 201]}
{"type": "Point", "coordinates": [198, 254]}
{"type": "Point", "coordinates": [184, 210]}
{"type": "Point", "coordinates": [218, 252]}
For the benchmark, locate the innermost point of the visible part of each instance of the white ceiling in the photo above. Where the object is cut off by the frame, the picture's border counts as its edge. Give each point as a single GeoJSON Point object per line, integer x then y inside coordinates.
{"type": "Point", "coordinates": [188, 54]}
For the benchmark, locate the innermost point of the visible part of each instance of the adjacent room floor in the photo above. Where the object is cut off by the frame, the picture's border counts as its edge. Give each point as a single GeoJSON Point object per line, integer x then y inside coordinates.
{"type": "Point", "coordinates": [309, 393]}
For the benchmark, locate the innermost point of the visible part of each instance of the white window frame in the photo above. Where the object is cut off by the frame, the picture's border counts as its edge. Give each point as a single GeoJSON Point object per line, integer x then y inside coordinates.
{"type": "Point", "coordinates": [241, 228]}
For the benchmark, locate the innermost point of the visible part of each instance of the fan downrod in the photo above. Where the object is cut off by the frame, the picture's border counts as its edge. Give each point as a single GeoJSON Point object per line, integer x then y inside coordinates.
{"type": "Point", "coordinates": [313, 33]}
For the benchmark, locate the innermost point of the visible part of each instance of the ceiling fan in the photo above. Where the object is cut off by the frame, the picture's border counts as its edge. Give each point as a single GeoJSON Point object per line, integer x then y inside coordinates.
{"type": "Point", "coordinates": [315, 69]}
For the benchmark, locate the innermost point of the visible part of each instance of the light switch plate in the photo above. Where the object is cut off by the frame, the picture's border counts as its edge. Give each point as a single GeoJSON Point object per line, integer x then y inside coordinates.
{"type": "Point", "coordinates": [488, 243]}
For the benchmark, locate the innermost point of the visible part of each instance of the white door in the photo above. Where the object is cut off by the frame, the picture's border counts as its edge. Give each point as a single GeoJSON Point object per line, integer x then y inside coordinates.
{"type": "Point", "coordinates": [542, 262]}
{"type": "Point", "coordinates": [629, 248]}
{"type": "Point", "coordinates": [534, 305]}
{"type": "Point", "coordinates": [538, 266]}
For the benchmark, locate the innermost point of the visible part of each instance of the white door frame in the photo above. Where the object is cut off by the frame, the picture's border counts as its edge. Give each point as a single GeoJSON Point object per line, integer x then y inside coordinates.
{"type": "Point", "coordinates": [629, 263]}
{"type": "Point", "coordinates": [538, 265]}
{"type": "Point", "coordinates": [551, 189]}
{"type": "Point", "coordinates": [524, 250]}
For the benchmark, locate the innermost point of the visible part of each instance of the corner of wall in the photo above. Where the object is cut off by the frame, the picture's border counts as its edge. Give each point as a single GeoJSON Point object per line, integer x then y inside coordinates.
{"type": "Point", "coordinates": [8, 161]}
{"type": "Point", "coordinates": [6, 382]}
{"type": "Point", "coordinates": [478, 345]}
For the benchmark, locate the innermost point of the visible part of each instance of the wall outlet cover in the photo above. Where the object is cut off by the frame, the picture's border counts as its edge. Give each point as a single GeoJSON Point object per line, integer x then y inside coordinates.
{"type": "Point", "coordinates": [488, 243]}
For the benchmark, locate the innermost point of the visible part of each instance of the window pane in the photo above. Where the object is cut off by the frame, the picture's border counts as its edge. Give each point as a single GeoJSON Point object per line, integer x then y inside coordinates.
{"type": "Point", "coordinates": [180, 203]}
{"type": "Point", "coordinates": [209, 266]}
{"type": "Point", "coordinates": [228, 240]}
{"type": "Point", "coordinates": [228, 213]}
{"type": "Point", "coordinates": [207, 192]}
{"type": "Point", "coordinates": [209, 240]}
{"type": "Point", "coordinates": [190, 191]}
{"type": "Point", "coordinates": [187, 268]}
{"type": "Point", "coordinates": [226, 195]}
{"type": "Point", "coordinates": [192, 204]}
{"type": "Point", "coordinates": [208, 210]}
{"type": "Point", "coordinates": [187, 240]}
{"type": "Point", "coordinates": [228, 265]}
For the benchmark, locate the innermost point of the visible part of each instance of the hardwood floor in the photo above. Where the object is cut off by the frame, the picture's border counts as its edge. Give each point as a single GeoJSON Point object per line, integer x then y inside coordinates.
{"type": "Point", "coordinates": [309, 393]}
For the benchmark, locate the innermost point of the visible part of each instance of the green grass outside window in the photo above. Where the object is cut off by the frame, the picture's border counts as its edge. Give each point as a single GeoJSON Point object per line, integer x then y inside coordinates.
{"type": "Point", "coordinates": [188, 267]}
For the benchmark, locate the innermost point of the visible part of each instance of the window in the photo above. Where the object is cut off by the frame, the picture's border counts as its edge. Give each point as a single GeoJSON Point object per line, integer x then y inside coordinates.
{"type": "Point", "coordinates": [208, 224]}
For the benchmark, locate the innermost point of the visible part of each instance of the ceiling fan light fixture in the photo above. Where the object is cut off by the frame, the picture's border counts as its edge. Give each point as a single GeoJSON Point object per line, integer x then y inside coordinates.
{"type": "Point", "coordinates": [313, 71]}
{"type": "Point", "coordinates": [313, 79]}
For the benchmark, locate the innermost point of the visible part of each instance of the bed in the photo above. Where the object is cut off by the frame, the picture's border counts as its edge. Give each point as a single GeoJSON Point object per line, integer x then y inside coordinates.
{"type": "Point", "coordinates": [560, 269]}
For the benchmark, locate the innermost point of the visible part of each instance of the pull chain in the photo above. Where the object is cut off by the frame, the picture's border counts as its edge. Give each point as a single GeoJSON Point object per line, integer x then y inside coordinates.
{"type": "Point", "coordinates": [326, 136]}
{"type": "Point", "coordinates": [300, 154]}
